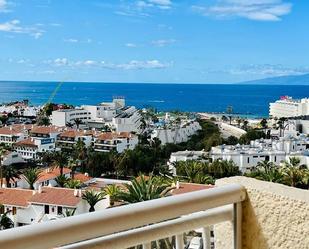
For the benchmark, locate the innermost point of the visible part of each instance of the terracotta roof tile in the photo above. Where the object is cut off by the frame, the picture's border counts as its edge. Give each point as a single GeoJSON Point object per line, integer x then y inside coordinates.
{"type": "Point", "coordinates": [15, 197]}
{"type": "Point", "coordinates": [29, 142]}
{"type": "Point", "coordinates": [113, 135]}
{"type": "Point", "coordinates": [190, 187]}
{"type": "Point", "coordinates": [46, 129]}
{"type": "Point", "coordinates": [52, 173]}
{"type": "Point", "coordinates": [56, 196]}
{"type": "Point", "coordinates": [82, 177]}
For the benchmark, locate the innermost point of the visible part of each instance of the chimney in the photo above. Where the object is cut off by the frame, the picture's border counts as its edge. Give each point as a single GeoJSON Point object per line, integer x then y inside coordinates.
{"type": "Point", "coordinates": [80, 193]}
{"type": "Point", "coordinates": [40, 189]}
{"type": "Point", "coordinates": [3, 185]}
{"type": "Point", "coordinates": [75, 192]}
{"type": "Point", "coordinates": [49, 185]}
{"type": "Point", "coordinates": [86, 174]}
{"type": "Point", "coordinates": [33, 192]}
{"type": "Point", "coordinates": [177, 185]}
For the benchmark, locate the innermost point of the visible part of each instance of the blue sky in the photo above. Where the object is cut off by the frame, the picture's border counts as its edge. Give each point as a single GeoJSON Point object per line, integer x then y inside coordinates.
{"type": "Point", "coordinates": [166, 41]}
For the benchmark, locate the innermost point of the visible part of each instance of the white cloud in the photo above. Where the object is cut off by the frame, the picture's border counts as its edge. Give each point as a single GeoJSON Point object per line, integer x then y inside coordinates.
{"type": "Point", "coordinates": [60, 62]}
{"type": "Point", "coordinates": [161, 4]}
{"type": "Point", "coordinates": [259, 10]}
{"type": "Point", "coordinates": [71, 40]}
{"type": "Point", "coordinates": [163, 42]}
{"type": "Point", "coordinates": [15, 27]}
{"type": "Point", "coordinates": [3, 6]}
{"type": "Point", "coordinates": [131, 65]}
{"type": "Point", "coordinates": [267, 70]}
{"type": "Point", "coordinates": [131, 45]}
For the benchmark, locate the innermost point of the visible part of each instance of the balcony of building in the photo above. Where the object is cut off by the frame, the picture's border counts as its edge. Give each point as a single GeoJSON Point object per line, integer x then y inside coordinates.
{"type": "Point", "coordinates": [244, 213]}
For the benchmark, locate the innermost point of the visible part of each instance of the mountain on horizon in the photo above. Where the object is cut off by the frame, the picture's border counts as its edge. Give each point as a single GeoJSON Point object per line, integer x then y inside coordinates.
{"type": "Point", "coordinates": [281, 80]}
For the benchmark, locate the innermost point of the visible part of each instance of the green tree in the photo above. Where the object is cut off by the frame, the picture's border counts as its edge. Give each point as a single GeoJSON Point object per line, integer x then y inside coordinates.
{"type": "Point", "coordinates": [74, 184]}
{"type": "Point", "coordinates": [60, 160]}
{"type": "Point", "coordinates": [144, 188]}
{"type": "Point", "coordinates": [77, 122]}
{"type": "Point", "coordinates": [293, 172]}
{"type": "Point", "coordinates": [10, 173]}
{"type": "Point", "coordinates": [31, 175]}
{"type": "Point", "coordinates": [263, 123]}
{"type": "Point", "coordinates": [61, 180]}
{"type": "Point", "coordinates": [5, 221]}
{"type": "Point", "coordinates": [113, 192]}
{"type": "Point", "coordinates": [92, 198]}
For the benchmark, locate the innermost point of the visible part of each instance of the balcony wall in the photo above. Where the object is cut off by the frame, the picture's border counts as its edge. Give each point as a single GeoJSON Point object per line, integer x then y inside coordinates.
{"type": "Point", "coordinates": [274, 217]}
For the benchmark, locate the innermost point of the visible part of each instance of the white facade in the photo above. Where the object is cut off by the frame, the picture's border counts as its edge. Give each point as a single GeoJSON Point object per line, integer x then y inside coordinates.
{"type": "Point", "coordinates": [34, 206]}
{"type": "Point", "coordinates": [12, 134]}
{"type": "Point", "coordinates": [129, 120]}
{"type": "Point", "coordinates": [12, 157]}
{"type": "Point", "coordinates": [29, 148]}
{"type": "Point", "coordinates": [288, 107]}
{"type": "Point", "coordinates": [176, 134]}
{"type": "Point", "coordinates": [276, 151]}
{"type": "Point", "coordinates": [65, 116]}
{"type": "Point", "coordinates": [115, 141]}
{"type": "Point", "coordinates": [184, 156]}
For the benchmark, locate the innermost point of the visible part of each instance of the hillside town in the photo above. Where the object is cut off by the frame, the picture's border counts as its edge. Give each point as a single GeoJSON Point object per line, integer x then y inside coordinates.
{"type": "Point", "coordinates": [59, 160]}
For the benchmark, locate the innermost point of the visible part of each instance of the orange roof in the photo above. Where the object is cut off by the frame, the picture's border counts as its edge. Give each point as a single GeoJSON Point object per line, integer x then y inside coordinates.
{"type": "Point", "coordinates": [113, 135]}
{"type": "Point", "coordinates": [15, 197]}
{"type": "Point", "coordinates": [52, 173]}
{"type": "Point", "coordinates": [82, 177]}
{"type": "Point", "coordinates": [77, 133]}
{"type": "Point", "coordinates": [189, 187]}
{"type": "Point", "coordinates": [46, 129]}
{"type": "Point", "coordinates": [14, 129]}
{"type": "Point", "coordinates": [27, 142]}
{"type": "Point", "coordinates": [56, 196]}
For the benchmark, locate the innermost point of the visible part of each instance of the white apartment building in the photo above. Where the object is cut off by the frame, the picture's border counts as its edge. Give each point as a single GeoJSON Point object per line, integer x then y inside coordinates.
{"type": "Point", "coordinates": [176, 134]}
{"type": "Point", "coordinates": [47, 178]}
{"type": "Point", "coordinates": [276, 151]}
{"type": "Point", "coordinates": [30, 147]}
{"type": "Point", "coordinates": [186, 155]}
{"type": "Point", "coordinates": [117, 141]}
{"type": "Point", "coordinates": [66, 116]}
{"type": "Point", "coordinates": [14, 133]}
{"type": "Point", "coordinates": [105, 111]}
{"type": "Point", "coordinates": [47, 203]}
{"type": "Point", "coordinates": [68, 139]}
{"type": "Point", "coordinates": [289, 107]}
{"type": "Point", "coordinates": [129, 120]}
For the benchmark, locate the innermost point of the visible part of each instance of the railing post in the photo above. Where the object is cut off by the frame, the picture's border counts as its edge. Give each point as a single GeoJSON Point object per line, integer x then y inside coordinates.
{"type": "Point", "coordinates": [237, 219]}
{"type": "Point", "coordinates": [147, 246]}
{"type": "Point", "coordinates": [206, 238]}
{"type": "Point", "coordinates": [179, 242]}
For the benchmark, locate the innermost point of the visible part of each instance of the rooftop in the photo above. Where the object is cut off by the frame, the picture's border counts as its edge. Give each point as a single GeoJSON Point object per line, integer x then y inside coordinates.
{"type": "Point", "coordinates": [56, 196]}
{"type": "Point", "coordinates": [15, 197]}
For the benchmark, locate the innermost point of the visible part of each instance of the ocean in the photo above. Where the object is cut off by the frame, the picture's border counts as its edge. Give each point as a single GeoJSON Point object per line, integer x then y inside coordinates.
{"type": "Point", "coordinates": [251, 100]}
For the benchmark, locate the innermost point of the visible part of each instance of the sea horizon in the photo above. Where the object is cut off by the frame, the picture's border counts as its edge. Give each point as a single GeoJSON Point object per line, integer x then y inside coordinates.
{"type": "Point", "coordinates": [247, 100]}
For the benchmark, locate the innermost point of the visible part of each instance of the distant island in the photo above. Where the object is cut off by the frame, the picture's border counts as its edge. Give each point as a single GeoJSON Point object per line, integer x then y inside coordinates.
{"type": "Point", "coordinates": [281, 80]}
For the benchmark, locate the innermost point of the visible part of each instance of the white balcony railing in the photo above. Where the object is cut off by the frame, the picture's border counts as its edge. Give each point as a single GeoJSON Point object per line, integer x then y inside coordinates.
{"type": "Point", "coordinates": [136, 224]}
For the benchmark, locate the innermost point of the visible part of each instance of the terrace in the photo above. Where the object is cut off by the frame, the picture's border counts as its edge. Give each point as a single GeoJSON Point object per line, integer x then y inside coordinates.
{"type": "Point", "coordinates": [245, 213]}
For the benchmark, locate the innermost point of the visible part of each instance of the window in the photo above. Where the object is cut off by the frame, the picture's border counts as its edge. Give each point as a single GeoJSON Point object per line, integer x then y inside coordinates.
{"type": "Point", "coordinates": [14, 211]}
{"type": "Point", "coordinates": [1, 209]}
{"type": "Point", "coordinates": [59, 210]}
{"type": "Point", "coordinates": [46, 209]}
{"type": "Point", "coordinates": [248, 160]}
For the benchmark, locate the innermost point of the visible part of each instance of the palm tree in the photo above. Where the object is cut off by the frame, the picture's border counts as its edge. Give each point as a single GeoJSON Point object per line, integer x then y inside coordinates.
{"type": "Point", "coordinates": [293, 172]}
{"type": "Point", "coordinates": [31, 175]}
{"type": "Point", "coordinates": [61, 180]}
{"type": "Point", "coordinates": [77, 122]}
{"type": "Point", "coordinates": [113, 192]}
{"type": "Point", "coordinates": [10, 173]}
{"type": "Point", "coordinates": [60, 160]}
{"type": "Point", "coordinates": [144, 188]}
{"type": "Point", "coordinates": [74, 184]}
{"type": "Point", "coordinates": [69, 212]}
{"type": "Point", "coordinates": [5, 221]}
{"type": "Point", "coordinates": [92, 198]}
